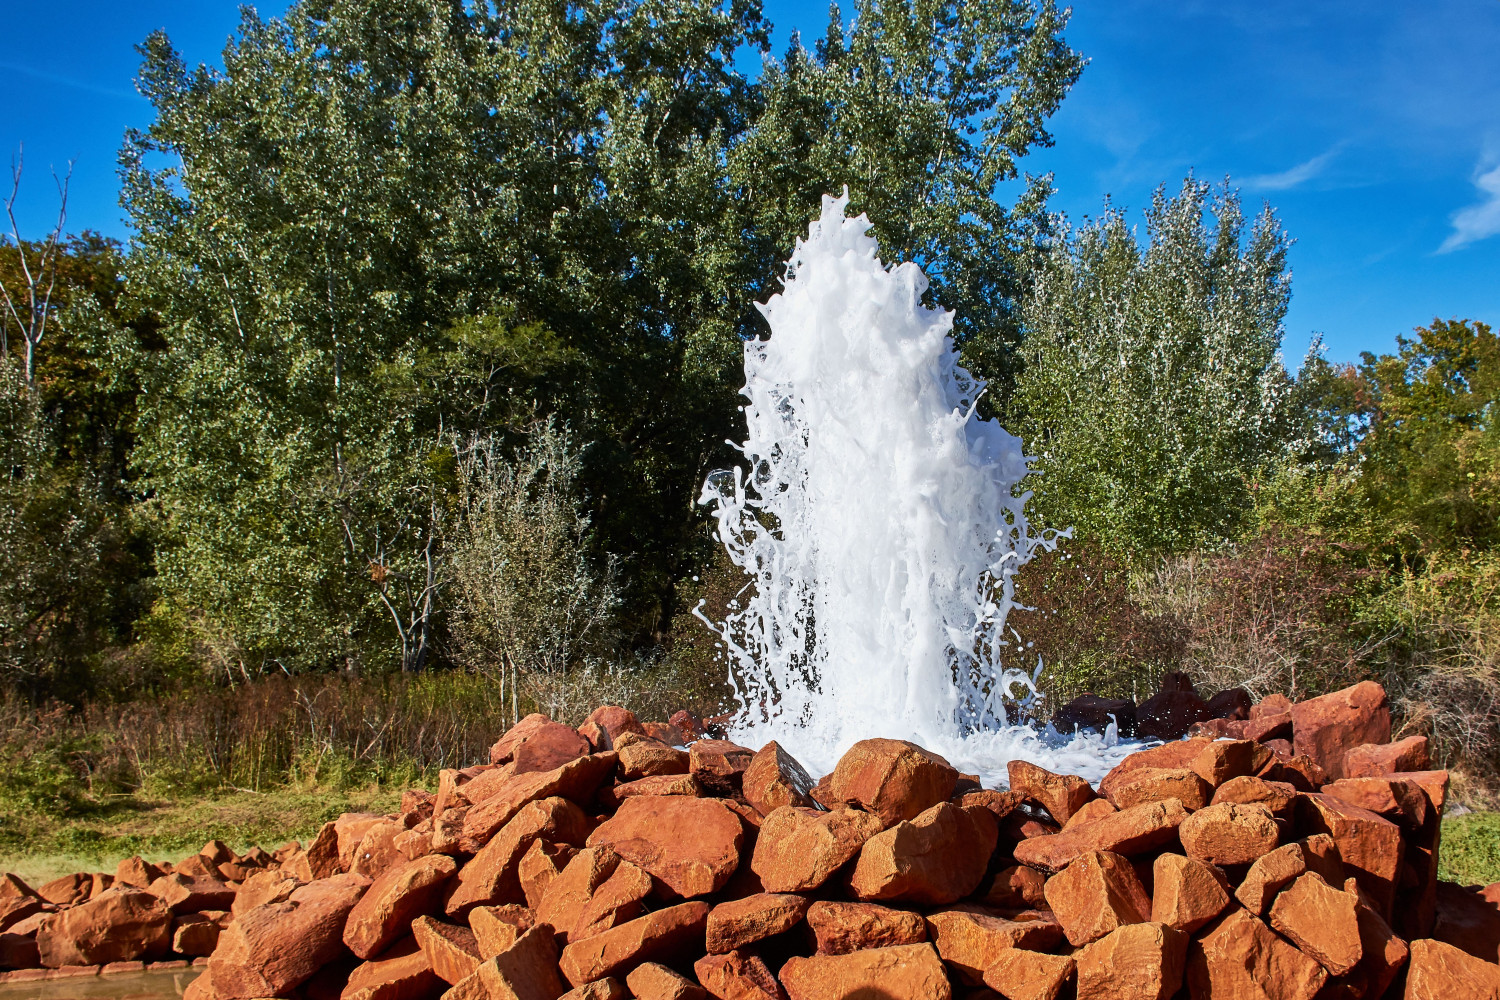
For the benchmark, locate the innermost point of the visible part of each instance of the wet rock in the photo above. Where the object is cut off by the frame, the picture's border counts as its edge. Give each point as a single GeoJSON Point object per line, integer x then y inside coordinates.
{"type": "Point", "coordinates": [774, 779]}
{"type": "Point", "coordinates": [1096, 893]}
{"type": "Point", "coordinates": [1371, 760]}
{"type": "Point", "coordinates": [933, 860]}
{"type": "Point", "coordinates": [1157, 784]}
{"type": "Point", "coordinates": [667, 935]}
{"type": "Point", "coordinates": [893, 779]}
{"type": "Point", "coordinates": [1242, 957]}
{"type": "Point", "coordinates": [1062, 795]}
{"type": "Point", "coordinates": [969, 938]}
{"type": "Point", "coordinates": [1089, 711]}
{"type": "Point", "coordinates": [688, 724]}
{"type": "Point", "coordinates": [1439, 971]}
{"type": "Point", "coordinates": [1133, 962]}
{"type": "Point", "coordinates": [844, 927]}
{"type": "Point", "coordinates": [118, 925]}
{"type": "Point", "coordinates": [691, 845]}
{"type": "Point", "coordinates": [742, 922]}
{"type": "Point", "coordinates": [1229, 833]}
{"type": "Point", "coordinates": [493, 875]}
{"type": "Point", "coordinates": [452, 951]}
{"type": "Point", "coordinates": [1230, 703]}
{"type": "Point", "coordinates": [800, 849]}
{"type": "Point", "coordinates": [911, 972]}
{"type": "Point", "coordinates": [654, 981]}
{"type": "Point", "coordinates": [1327, 727]}
{"type": "Point", "coordinates": [1321, 921]}
{"type": "Point", "coordinates": [1130, 831]}
{"type": "Point", "coordinates": [1169, 713]}
{"type": "Point", "coordinates": [1186, 893]}
{"type": "Point", "coordinates": [1018, 974]}
{"type": "Point", "coordinates": [737, 976]}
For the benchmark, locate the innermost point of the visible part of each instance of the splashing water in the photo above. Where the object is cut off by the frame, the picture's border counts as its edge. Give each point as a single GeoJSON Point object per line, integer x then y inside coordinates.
{"type": "Point", "coordinates": [880, 523]}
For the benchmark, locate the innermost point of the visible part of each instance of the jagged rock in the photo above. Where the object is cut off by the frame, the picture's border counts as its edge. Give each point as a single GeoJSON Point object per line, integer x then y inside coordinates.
{"type": "Point", "coordinates": [742, 922]}
{"type": "Point", "coordinates": [773, 779]}
{"type": "Point", "coordinates": [737, 976]}
{"type": "Point", "coordinates": [1327, 727]}
{"type": "Point", "coordinates": [608, 722]}
{"type": "Point", "coordinates": [911, 972]}
{"type": "Point", "coordinates": [1277, 796]}
{"type": "Point", "coordinates": [691, 845]}
{"type": "Point", "coordinates": [1230, 833]}
{"type": "Point", "coordinates": [1062, 795]}
{"type": "Point", "coordinates": [933, 860]}
{"type": "Point", "coordinates": [1242, 957]}
{"type": "Point", "coordinates": [1096, 893]}
{"type": "Point", "coordinates": [1186, 893]}
{"type": "Point", "coordinates": [1467, 920]}
{"type": "Point", "coordinates": [118, 925]}
{"type": "Point", "coordinates": [619, 898]}
{"type": "Point", "coordinates": [799, 849]}
{"type": "Point", "coordinates": [654, 981]}
{"type": "Point", "coordinates": [1157, 784]}
{"type": "Point", "coordinates": [1371, 760]}
{"type": "Point", "coordinates": [1439, 971]}
{"type": "Point", "coordinates": [644, 757]}
{"type": "Point", "coordinates": [1133, 962]}
{"type": "Point", "coordinates": [1321, 921]}
{"type": "Point", "coordinates": [275, 947]}
{"type": "Point", "coordinates": [668, 936]}
{"type": "Point", "coordinates": [1017, 974]}
{"type": "Point", "coordinates": [452, 950]}
{"type": "Point", "coordinates": [719, 765]}
{"type": "Point", "coordinates": [493, 875]}
{"type": "Point", "coordinates": [1016, 888]}
{"type": "Point", "coordinates": [402, 972]}
{"type": "Point", "coordinates": [1367, 843]}
{"type": "Point", "coordinates": [969, 938]}
{"type": "Point", "coordinates": [496, 928]}
{"type": "Point", "coordinates": [540, 865]}
{"type": "Point", "coordinates": [1129, 831]}
{"type": "Point", "coordinates": [844, 927]}
{"type": "Point", "coordinates": [893, 779]}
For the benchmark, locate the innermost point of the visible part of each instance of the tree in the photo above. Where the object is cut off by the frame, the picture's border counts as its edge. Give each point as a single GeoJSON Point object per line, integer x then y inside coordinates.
{"type": "Point", "coordinates": [28, 301]}
{"type": "Point", "coordinates": [1154, 392]}
{"type": "Point", "coordinates": [387, 221]}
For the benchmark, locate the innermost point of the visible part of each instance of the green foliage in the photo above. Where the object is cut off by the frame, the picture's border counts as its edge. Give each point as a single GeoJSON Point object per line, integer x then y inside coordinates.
{"type": "Point", "coordinates": [390, 221]}
{"type": "Point", "coordinates": [1470, 850]}
{"type": "Point", "coordinates": [1154, 390]}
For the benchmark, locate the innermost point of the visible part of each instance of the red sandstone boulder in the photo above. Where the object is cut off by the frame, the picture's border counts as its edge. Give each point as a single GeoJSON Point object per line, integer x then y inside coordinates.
{"type": "Point", "coordinates": [1061, 795]}
{"type": "Point", "coordinates": [493, 875]}
{"type": "Point", "coordinates": [719, 765]}
{"type": "Point", "coordinates": [1242, 957]}
{"type": "Point", "coordinates": [1170, 712]}
{"type": "Point", "coordinates": [800, 849]}
{"type": "Point", "coordinates": [665, 784]}
{"type": "Point", "coordinates": [540, 865]}
{"type": "Point", "coordinates": [911, 972]}
{"type": "Point", "coordinates": [135, 871]}
{"type": "Point", "coordinates": [618, 899]}
{"type": "Point", "coordinates": [1268, 875]}
{"type": "Point", "coordinates": [1368, 844]}
{"type": "Point", "coordinates": [668, 935]}
{"type": "Point", "coordinates": [1439, 971]}
{"type": "Point", "coordinates": [1178, 753]}
{"type": "Point", "coordinates": [1467, 920]}
{"type": "Point", "coordinates": [276, 947]}
{"type": "Point", "coordinates": [691, 845]}
{"type": "Point", "coordinates": [970, 938]}
{"type": "Point", "coordinates": [773, 779]}
{"type": "Point", "coordinates": [1327, 727]}
{"type": "Point", "coordinates": [1131, 831]}
{"type": "Point", "coordinates": [528, 968]}
{"type": "Point", "coordinates": [190, 895]}
{"type": "Point", "coordinates": [1015, 887]}
{"type": "Point", "coordinates": [1401, 802]}
{"type": "Point", "coordinates": [564, 901]}
{"type": "Point", "coordinates": [1186, 893]}
{"type": "Point", "coordinates": [892, 779]}
{"type": "Point", "coordinates": [1371, 760]}
{"type": "Point", "coordinates": [320, 859]}
{"type": "Point", "coordinates": [1133, 962]}
{"type": "Point", "coordinates": [118, 925]}
{"type": "Point", "coordinates": [1090, 811]}
{"type": "Point", "coordinates": [737, 976]}
{"type": "Point", "coordinates": [547, 748]}
{"type": "Point", "coordinates": [606, 723]}
{"type": "Point", "coordinates": [600, 989]}
{"type": "Point", "coordinates": [196, 935]}
{"type": "Point", "coordinates": [1018, 974]}
{"type": "Point", "coordinates": [501, 794]}
{"type": "Point", "coordinates": [742, 922]}
{"type": "Point", "coordinates": [1157, 784]}
{"type": "Point", "coordinates": [1277, 796]}
{"type": "Point", "coordinates": [400, 973]}
{"type": "Point", "coordinates": [497, 928]}
{"type": "Point", "coordinates": [1095, 894]}
{"type": "Point", "coordinates": [452, 951]}
{"type": "Point", "coordinates": [644, 757]}
{"type": "Point", "coordinates": [1321, 921]}
{"type": "Point", "coordinates": [935, 859]}
{"type": "Point", "coordinates": [654, 981]}
{"type": "Point", "coordinates": [1229, 834]}
{"type": "Point", "coordinates": [844, 927]}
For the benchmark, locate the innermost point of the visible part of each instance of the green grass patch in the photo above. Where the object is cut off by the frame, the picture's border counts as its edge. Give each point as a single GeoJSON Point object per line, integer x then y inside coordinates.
{"type": "Point", "coordinates": [1470, 852]}
{"type": "Point", "coordinates": [39, 847]}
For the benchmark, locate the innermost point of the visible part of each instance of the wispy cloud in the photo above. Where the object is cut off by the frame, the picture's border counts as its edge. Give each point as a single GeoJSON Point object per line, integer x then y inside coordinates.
{"type": "Point", "coordinates": [1294, 177]}
{"type": "Point", "coordinates": [67, 81]}
{"type": "Point", "coordinates": [1480, 221]}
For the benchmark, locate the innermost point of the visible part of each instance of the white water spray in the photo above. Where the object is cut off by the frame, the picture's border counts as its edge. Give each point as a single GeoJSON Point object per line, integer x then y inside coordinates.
{"type": "Point", "coordinates": [881, 524]}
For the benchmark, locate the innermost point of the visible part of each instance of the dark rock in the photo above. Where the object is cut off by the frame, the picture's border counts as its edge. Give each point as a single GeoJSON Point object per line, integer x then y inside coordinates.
{"type": "Point", "coordinates": [1089, 711]}
{"type": "Point", "coordinates": [1169, 713]}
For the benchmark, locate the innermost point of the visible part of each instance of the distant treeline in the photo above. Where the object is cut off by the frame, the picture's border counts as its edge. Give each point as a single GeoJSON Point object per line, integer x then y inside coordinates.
{"type": "Point", "coordinates": [431, 329]}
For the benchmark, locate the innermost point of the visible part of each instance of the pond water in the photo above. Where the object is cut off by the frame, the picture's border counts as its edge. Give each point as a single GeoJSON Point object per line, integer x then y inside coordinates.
{"type": "Point", "coordinates": [164, 985]}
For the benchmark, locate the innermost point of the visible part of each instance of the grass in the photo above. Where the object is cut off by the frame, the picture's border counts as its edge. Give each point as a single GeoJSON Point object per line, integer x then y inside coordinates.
{"type": "Point", "coordinates": [1470, 852]}
{"type": "Point", "coordinates": [38, 847]}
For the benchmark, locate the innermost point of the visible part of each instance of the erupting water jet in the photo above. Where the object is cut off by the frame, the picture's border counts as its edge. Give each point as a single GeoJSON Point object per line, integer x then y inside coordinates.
{"type": "Point", "coordinates": [881, 523]}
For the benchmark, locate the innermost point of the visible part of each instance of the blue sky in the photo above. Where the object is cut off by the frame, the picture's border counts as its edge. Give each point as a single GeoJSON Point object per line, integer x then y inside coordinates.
{"type": "Point", "coordinates": [1372, 127]}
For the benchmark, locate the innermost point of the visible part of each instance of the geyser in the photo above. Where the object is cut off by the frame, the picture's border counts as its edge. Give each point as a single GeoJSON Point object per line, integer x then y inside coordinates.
{"type": "Point", "coordinates": [880, 521]}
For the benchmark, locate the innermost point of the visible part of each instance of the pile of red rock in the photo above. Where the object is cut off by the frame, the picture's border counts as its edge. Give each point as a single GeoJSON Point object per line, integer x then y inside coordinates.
{"type": "Point", "coordinates": [1292, 858]}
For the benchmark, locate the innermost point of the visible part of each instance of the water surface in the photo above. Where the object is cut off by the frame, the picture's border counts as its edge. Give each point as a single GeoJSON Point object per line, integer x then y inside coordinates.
{"type": "Point", "coordinates": [164, 985]}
